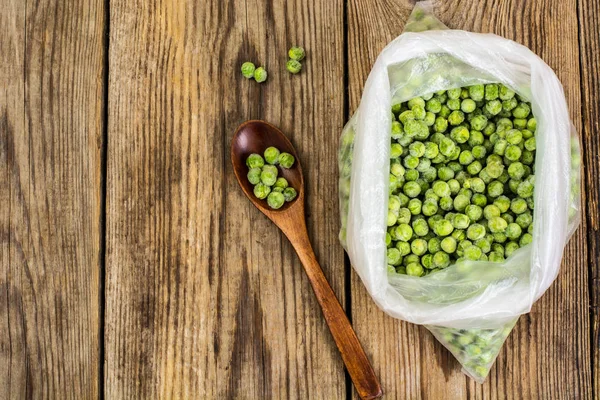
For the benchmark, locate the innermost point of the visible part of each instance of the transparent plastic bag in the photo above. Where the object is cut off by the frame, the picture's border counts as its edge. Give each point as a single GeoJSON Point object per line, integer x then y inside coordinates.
{"type": "Point", "coordinates": [470, 306]}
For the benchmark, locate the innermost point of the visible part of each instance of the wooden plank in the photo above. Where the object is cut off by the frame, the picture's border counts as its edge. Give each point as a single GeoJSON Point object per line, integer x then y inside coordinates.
{"type": "Point", "coordinates": [205, 298]}
{"type": "Point", "coordinates": [548, 354]}
{"type": "Point", "coordinates": [51, 69]}
{"type": "Point", "coordinates": [589, 36]}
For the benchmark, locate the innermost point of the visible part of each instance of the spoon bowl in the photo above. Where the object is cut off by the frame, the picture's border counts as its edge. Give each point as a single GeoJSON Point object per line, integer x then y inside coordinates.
{"type": "Point", "coordinates": [255, 137]}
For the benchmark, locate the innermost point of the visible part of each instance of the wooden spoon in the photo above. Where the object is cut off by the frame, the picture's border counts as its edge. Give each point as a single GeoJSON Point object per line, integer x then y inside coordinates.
{"type": "Point", "coordinates": [255, 137]}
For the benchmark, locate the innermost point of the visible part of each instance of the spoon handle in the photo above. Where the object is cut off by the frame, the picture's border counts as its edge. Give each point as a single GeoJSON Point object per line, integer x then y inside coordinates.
{"type": "Point", "coordinates": [354, 357]}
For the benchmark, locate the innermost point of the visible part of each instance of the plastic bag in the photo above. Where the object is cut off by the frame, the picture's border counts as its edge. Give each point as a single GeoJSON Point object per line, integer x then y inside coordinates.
{"type": "Point", "coordinates": [471, 306]}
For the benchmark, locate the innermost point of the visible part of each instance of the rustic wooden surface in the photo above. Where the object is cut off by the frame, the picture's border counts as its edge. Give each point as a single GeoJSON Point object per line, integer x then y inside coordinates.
{"type": "Point", "coordinates": [132, 265]}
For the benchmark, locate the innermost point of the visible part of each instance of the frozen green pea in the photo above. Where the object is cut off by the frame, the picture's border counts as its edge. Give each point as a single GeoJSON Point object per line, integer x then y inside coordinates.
{"type": "Point", "coordinates": [403, 247]}
{"type": "Point", "coordinates": [255, 161]}
{"type": "Point", "coordinates": [272, 155]}
{"type": "Point", "coordinates": [490, 211]}
{"type": "Point", "coordinates": [493, 107]}
{"type": "Point", "coordinates": [514, 136]}
{"type": "Point", "coordinates": [503, 203]}
{"type": "Point", "coordinates": [520, 123]}
{"type": "Point", "coordinates": [403, 199]}
{"type": "Point", "coordinates": [430, 174]}
{"type": "Point", "coordinates": [512, 153]}
{"type": "Point", "coordinates": [445, 111]}
{"type": "Point", "coordinates": [441, 124]}
{"type": "Point", "coordinates": [404, 232]}
{"type": "Point", "coordinates": [484, 244]}
{"type": "Point", "coordinates": [524, 220]}
{"type": "Point", "coordinates": [418, 111]}
{"type": "Point", "coordinates": [527, 157]}
{"type": "Point", "coordinates": [494, 170]}
{"type": "Point", "coordinates": [510, 248]}
{"type": "Point", "coordinates": [525, 239]}
{"type": "Point", "coordinates": [415, 205]}
{"type": "Point", "coordinates": [411, 161]}
{"type": "Point", "coordinates": [420, 227]}
{"type": "Point", "coordinates": [397, 169]}
{"type": "Point", "coordinates": [526, 133]}
{"type": "Point", "coordinates": [411, 189]}
{"type": "Point", "coordinates": [465, 157]}
{"type": "Point", "coordinates": [414, 128]}
{"type": "Point", "coordinates": [461, 221]}
{"type": "Point", "coordinates": [443, 227]}
{"type": "Point", "coordinates": [456, 118]}
{"type": "Point", "coordinates": [394, 203]}
{"type": "Point", "coordinates": [411, 258]}
{"type": "Point", "coordinates": [459, 234]}
{"type": "Point", "coordinates": [281, 182]}
{"type": "Point", "coordinates": [416, 101]}
{"type": "Point", "coordinates": [441, 259]}
{"type": "Point", "coordinates": [448, 244]}
{"type": "Point", "coordinates": [474, 212]}
{"type": "Point", "coordinates": [431, 150]}
{"type": "Point", "coordinates": [495, 189]}
{"type": "Point", "coordinates": [268, 175]}
{"type": "Point", "coordinates": [516, 170]}
{"type": "Point", "coordinates": [417, 149]}
{"type": "Point", "coordinates": [476, 231]}
{"type": "Point", "coordinates": [475, 167]}
{"type": "Point", "coordinates": [532, 124]}
{"type": "Point", "coordinates": [396, 150]}
{"type": "Point", "coordinates": [476, 138]}
{"type": "Point", "coordinates": [472, 252]}
{"type": "Point", "coordinates": [513, 231]}
{"type": "Point", "coordinates": [418, 246]}
{"type": "Point", "coordinates": [293, 66]}
{"type": "Point", "coordinates": [396, 108]}
{"type": "Point", "coordinates": [476, 92]}
{"type": "Point", "coordinates": [461, 177]}
{"type": "Point", "coordinates": [441, 188]}
{"type": "Point", "coordinates": [479, 200]}
{"type": "Point", "coordinates": [530, 144]}
{"type": "Point", "coordinates": [521, 111]}
{"type": "Point", "coordinates": [248, 70]}
{"type": "Point", "coordinates": [461, 202]}
{"type": "Point", "coordinates": [500, 147]}
{"type": "Point", "coordinates": [429, 119]}
{"type": "Point", "coordinates": [433, 105]}
{"type": "Point", "coordinates": [286, 160]}
{"type": "Point", "coordinates": [477, 185]}
{"type": "Point", "coordinates": [261, 191]}
{"type": "Point", "coordinates": [518, 206]}
{"type": "Point", "coordinates": [388, 239]}
{"type": "Point", "coordinates": [275, 200]}
{"type": "Point", "coordinates": [447, 146]}
{"type": "Point", "coordinates": [497, 224]}
{"type": "Point", "coordinates": [454, 186]}
{"type": "Point", "coordinates": [414, 269]}
{"type": "Point", "coordinates": [445, 173]}
{"type": "Point", "coordinates": [525, 188]}
{"type": "Point", "coordinates": [427, 261]}
{"type": "Point", "coordinates": [289, 193]}
{"type": "Point", "coordinates": [434, 245]}
{"type": "Point", "coordinates": [391, 269]}
{"type": "Point", "coordinates": [454, 93]}
{"type": "Point", "coordinates": [491, 92]}
{"type": "Point", "coordinates": [453, 104]}
{"type": "Point", "coordinates": [392, 218]}
{"type": "Point", "coordinates": [455, 166]}
{"type": "Point", "coordinates": [429, 207]}
{"type": "Point", "coordinates": [411, 175]}
{"type": "Point", "coordinates": [296, 53]}
{"type": "Point", "coordinates": [495, 257]}
{"type": "Point", "coordinates": [406, 116]}
{"type": "Point", "coordinates": [393, 256]}
{"type": "Point", "coordinates": [489, 128]}
{"type": "Point", "coordinates": [446, 203]}
{"type": "Point", "coordinates": [260, 74]}
{"type": "Point", "coordinates": [505, 93]}
{"type": "Point", "coordinates": [404, 215]}
{"type": "Point", "coordinates": [254, 175]}
{"type": "Point", "coordinates": [397, 130]}
{"type": "Point", "coordinates": [509, 105]}
{"type": "Point", "coordinates": [513, 185]}
{"type": "Point", "coordinates": [468, 105]}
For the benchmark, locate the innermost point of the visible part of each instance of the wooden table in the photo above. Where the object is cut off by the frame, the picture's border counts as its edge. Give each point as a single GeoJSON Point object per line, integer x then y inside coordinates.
{"type": "Point", "coordinates": [131, 265]}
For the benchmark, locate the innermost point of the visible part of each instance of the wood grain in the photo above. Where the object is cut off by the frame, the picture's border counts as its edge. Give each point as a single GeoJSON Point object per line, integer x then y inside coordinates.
{"type": "Point", "coordinates": [548, 353]}
{"type": "Point", "coordinates": [205, 298]}
{"type": "Point", "coordinates": [589, 42]}
{"type": "Point", "coordinates": [51, 138]}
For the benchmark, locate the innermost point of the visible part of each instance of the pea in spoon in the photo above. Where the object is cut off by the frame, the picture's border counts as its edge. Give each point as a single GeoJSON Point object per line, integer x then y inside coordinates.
{"type": "Point", "coordinates": [255, 137]}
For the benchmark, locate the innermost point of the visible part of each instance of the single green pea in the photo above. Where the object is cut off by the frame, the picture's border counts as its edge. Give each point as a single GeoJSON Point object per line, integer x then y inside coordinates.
{"type": "Point", "coordinates": [418, 111]}
{"type": "Point", "coordinates": [505, 93]}
{"type": "Point", "coordinates": [479, 200]}
{"type": "Point", "coordinates": [500, 147]}
{"type": "Point", "coordinates": [260, 74]}
{"type": "Point", "coordinates": [255, 161]}
{"type": "Point", "coordinates": [275, 200]}
{"type": "Point", "coordinates": [476, 92]}
{"type": "Point", "coordinates": [414, 269]}
{"type": "Point", "coordinates": [474, 212]}
{"type": "Point", "coordinates": [447, 146]}
{"type": "Point", "coordinates": [277, 189]}
{"type": "Point", "coordinates": [527, 157]}
{"type": "Point", "coordinates": [520, 123]}
{"type": "Point", "coordinates": [495, 189]}
{"type": "Point", "coordinates": [403, 248]}
{"type": "Point", "coordinates": [514, 136]}
{"type": "Point", "coordinates": [454, 93]}
{"type": "Point", "coordinates": [461, 202]}
{"type": "Point", "coordinates": [429, 207]}
{"type": "Point", "coordinates": [516, 170]}
{"type": "Point", "coordinates": [491, 211]}
{"type": "Point", "coordinates": [420, 227]}
{"type": "Point", "coordinates": [445, 173]}
{"type": "Point", "coordinates": [404, 232]}
{"type": "Point", "coordinates": [441, 124]}
{"type": "Point", "coordinates": [392, 218]}
{"type": "Point", "coordinates": [510, 248]}
{"type": "Point", "coordinates": [394, 203]}
{"type": "Point", "coordinates": [388, 239]}
{"type": "Point", "coordinates": [431, 150]}
{"type": "Point", "coordinates": [466, 157]}
{"type": "Point", "coordinates": [484, 244]}
{"type": "Point", "coordinates": [509, 105]}
{"type": "Point", "coordinates": [513, 185]}
{"type": "Point", "coordinates": [513, 231]}
{"type": "Point", "coordinates": [489, 128]}
{"type": "Point", "coordinates": [512, 153]}
{"type": "Point", "coordinates": [497, 224]}
{"type": "Point", "coordinates": [445, 111]}
{"type": "Point", "coordinates": [475, 167]}
{"type": "Point", "coordinates": [495, 257]}
{"type": "Point", "coordinates": [441, 188]}
{"type": "Point", "coordinates": [418, 246]}
{"type": "Point", "coordinates": [461, 221]}
{"type": "Point", "coordinates": [526, 133]}
{"type": "Point", "coordinates": [453, 104]}
{"type": "Point", "coordinates": [286, 160]}
{"type": "Point", "coordinates": [296, 53]}
{"type": "Point", "coordinates": [476, 138]}
{"type": "Point", "coordinates": [396, 108]}
{"type": "Point", "coordinates": [532, 124]}
{"type": "Point", "coordinates": [434, 245]}
{"type": "Point", "coordinates": [397, 169]}
{"type": "Point", "coordinates": [430, 174]}
{"type": "Point", "coordinates": [429, 119]}
{"type": "Point", "coordinates": [493, 107]}
{"type": "Point", "coordinates": [503, 203]}
{"type": "Point", "coordinates": [468, 105]}
{"type": "Point", "coordinates": [406, 116]}
{"type": "Point", "coordinates": [433, 105]}
{"type": "Point", "coordinates": [456, 118]}
{"type": "Point", "coordinates": [415, 205]}
{"type": "Point", "coordinates": [411, 189]}
{"type": "Point", "coordinates": [411, 258]}
{"type": "Point", "coordinates": [472, 253]}
{"type": "Point", "coordinates": [476, 231]}
{"type": "Point", "coordinates": [441, 259]}
{"type": "Point", "coordinates": [491, 92]}
{"type": "Point", "coordinates": [521, 111]}
{"type": "Point", "coordinates": [454, 186]}
{"type": "Point", "coordinates": [248, 70]}
{"type": "Point", "coordinates": [417, 149]}
{"type": "Point", "coordinates": [293, 66]}
{"type": "Point", "coordinates": [281, 182]}
{"type": "Point", "coordinates": [289, 193]}
{"type": "Point", "coordinates": [254, 175]}
{"type": "Point", "coordinates": [404, 215]}
{"type": "Point", "coordinates": [518, 206]}
{"type": "Point", "coordinates": [448, 244]}
{"type": "Point", "coordinates": [524, 220]}
{"type": "Point", "coordinates": [525, 188]}
{"type": "Point", "coordinates": [427, 261]}
{"type": "Point", "coordinates": [530, 144]}
{"type": "Point", "coordinates": [268, 175]}
{"type": "Point", "coordinates": [272, 155]}
{"type": "Point", "coordinates": [397, 130]}
{"type": "Point", "coordinates": [391, 269]}
{"type": "Point", "coordinates": [443, 227]}
{"type": "Point", "coordinates": [261, 191]}
{"type": "Point", "coordinates": [525, 239]}
{"type": "Point", "coordinates": [396, 150]}
{"type": "Point", "coordinates": [393, 256]}
{"type": "Point", "coordinates": [411, 175]}
{"type": "Point", "coordinates": [446, 203]}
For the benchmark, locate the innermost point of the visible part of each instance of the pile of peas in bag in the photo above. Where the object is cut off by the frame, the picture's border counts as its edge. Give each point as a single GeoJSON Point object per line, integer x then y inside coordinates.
{"type": "Point", "coordinates": [461, 178]}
